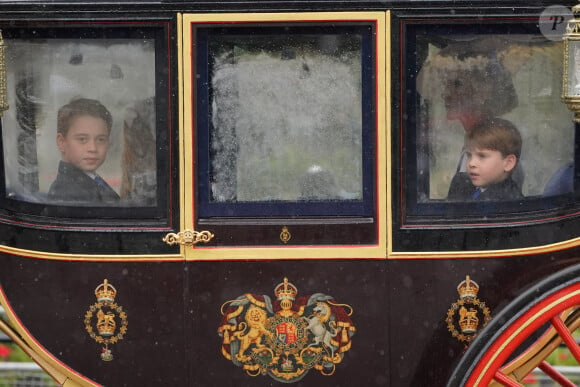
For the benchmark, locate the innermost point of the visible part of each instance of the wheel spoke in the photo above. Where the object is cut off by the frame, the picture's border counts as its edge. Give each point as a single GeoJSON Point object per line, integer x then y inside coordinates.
{"type": "Point", "coordinates": [555, 375]}
{"type": "Point", "coordinates": [504, 380]}
{"type": "Point", "coordinates": [567, 337]}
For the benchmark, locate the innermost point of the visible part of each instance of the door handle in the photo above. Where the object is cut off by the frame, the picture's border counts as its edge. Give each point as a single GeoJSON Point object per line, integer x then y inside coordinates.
{"type": "Point", "coordinates": [188, 237]}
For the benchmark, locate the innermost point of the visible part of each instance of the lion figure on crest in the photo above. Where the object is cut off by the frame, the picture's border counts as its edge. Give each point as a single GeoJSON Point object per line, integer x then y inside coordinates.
{"type": "Point", "coordinates": [255, 319]}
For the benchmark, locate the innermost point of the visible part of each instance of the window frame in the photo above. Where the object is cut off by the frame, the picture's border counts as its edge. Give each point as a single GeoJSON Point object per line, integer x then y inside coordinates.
{"type": "Point", "coordinates": [61, 216]}
{"type": "Point", "coordinates": [440, 213]}
{"type": "Point", "coordinates": [311, 236]}
{"type": "Point", "coordinates": [444, 235]}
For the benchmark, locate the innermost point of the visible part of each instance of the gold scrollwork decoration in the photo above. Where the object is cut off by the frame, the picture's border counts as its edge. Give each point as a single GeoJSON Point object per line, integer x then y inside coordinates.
{"type": "Point", "coordinates": [188, 237]}
{"type": "Point", "coordinates": [3, 94]}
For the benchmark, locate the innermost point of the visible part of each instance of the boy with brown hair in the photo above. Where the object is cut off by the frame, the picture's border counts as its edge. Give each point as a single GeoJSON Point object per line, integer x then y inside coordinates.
{"type": "Point", "coordinates": [83, 130]}
{"type": "Point", "coordinates": [493, 148]}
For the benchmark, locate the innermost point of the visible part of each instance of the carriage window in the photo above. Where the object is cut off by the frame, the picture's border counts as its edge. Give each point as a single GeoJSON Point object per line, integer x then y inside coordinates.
{"type": "Point", "coordinates": [273, 137]}
{"type": "Point", "coordinates": [282, 112]}
{"type": "Point", "coordinates": [286, 121]}
{"type": "Point", "coordinates": [484, 117]}
{"type": "Point", "coordinates": [84, 119]}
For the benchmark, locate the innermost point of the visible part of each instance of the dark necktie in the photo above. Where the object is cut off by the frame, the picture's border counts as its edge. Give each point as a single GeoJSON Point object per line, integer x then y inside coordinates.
{"type": "Point", "coordinates": [476, 193]}
{"type": "Point", "coordinates": [99, 180]}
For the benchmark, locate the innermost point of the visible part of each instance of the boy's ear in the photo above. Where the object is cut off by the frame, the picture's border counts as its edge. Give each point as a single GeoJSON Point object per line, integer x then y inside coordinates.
{"type": "Point", "coordinates": [509, 163]}
{"type": "Point", "coordinates": [60, 140]}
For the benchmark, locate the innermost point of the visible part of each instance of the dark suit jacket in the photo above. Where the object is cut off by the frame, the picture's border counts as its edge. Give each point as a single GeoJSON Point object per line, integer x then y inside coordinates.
{"type": "Point", "coordinates": [75, 186]}
{"type": "Point", "coordinates": [461, 189]}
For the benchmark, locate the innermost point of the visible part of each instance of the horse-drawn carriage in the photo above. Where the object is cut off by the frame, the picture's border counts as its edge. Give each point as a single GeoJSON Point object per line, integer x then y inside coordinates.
{"type": "Point", "coordinates": [282, 177]}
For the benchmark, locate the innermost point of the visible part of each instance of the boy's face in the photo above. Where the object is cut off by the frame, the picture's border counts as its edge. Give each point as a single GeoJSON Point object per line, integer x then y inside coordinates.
{"type": "Point", "coordinates": [85, 144]}
{"type": "Point", "coordinates": [487, 166]}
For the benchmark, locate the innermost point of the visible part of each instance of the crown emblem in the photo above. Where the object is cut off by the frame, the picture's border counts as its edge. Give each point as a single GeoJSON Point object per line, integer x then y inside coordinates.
{"type": "Point", "coordinates": [468, 288]}
{"type": "Point", "coordinates": [285, 293]}
{"type": "Point", "coordinates": [468, 320]}
{"type": "Point", "coordinates": [105, 292]}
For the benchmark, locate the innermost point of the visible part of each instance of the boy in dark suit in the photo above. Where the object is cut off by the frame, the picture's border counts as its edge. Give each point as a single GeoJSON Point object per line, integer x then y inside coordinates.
{"type": "Point", "coordinates": [83, 129]}
{"type": "Point", "coordinates": [493, 148]}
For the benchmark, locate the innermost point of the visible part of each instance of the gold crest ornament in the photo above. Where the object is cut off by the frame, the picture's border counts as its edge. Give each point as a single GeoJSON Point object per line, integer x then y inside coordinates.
{"type": "Point", "coordinates": [287, 337]}
{"type": "Point", "coordinates": [105, 321]}
{"type": "Point", "coordinates": [468, 314]}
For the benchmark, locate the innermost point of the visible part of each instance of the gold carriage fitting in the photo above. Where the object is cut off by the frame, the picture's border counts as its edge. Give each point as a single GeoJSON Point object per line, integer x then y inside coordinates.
{"type": "Point", "coordinates": [571, 65]}
{"type": "Point", "coordinates": [101, 320]}
{"type": "Point", "coordinates": [287, 337]}
{"type": "Point", "coordinates": [188, 237]}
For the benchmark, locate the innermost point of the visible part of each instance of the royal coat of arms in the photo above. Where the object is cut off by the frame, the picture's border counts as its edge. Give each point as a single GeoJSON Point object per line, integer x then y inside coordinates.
{"type": "Point", "coordinates": [288, 337]}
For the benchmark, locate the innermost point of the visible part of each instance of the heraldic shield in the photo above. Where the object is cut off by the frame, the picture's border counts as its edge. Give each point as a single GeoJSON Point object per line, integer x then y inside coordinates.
{"type": "Point", "coordinates": [288, 337]}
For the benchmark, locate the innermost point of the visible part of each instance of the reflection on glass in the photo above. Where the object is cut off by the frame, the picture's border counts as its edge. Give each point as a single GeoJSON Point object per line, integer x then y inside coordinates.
{"type": "Point", "coordinates": [286, 117]}
{"type": "Point", "coordinates": [465, 82]}
{"type": "Point", "coordinates": [43, 76]}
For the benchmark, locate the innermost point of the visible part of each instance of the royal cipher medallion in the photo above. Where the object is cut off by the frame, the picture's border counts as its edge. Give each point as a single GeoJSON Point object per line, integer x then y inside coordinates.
{"type": "Point", "coordinates": [106, 321]}
{"type": "Point", "coordinates": [287, 337]}
{"type": "Point", "coordinates": [468, 315]}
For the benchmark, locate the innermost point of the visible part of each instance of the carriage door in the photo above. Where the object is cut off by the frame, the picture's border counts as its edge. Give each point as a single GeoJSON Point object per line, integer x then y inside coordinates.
{"type": "Point", "coordinates": [284, 192]}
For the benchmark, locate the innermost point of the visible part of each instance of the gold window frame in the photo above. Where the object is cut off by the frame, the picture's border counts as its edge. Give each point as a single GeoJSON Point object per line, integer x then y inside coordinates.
{"type": "Point", "coordinates": [187, 152]}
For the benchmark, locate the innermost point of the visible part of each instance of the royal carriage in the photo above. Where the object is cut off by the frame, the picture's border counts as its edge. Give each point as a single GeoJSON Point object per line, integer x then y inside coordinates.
{"type": "Point", "coordinates": [282, 171]}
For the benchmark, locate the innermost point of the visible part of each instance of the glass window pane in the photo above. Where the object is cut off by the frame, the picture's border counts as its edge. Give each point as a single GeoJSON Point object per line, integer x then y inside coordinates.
{"type": "Point", "coordinates": [43, 75]}
{"type": "Point", "coordinates": [286, 118]}
{"type": "Point", "coordinates": [468, 80]}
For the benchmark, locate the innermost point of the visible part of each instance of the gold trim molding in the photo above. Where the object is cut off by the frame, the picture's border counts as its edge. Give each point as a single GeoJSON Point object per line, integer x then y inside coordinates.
{"type": "Point", "coordinates": [507, 253]}
{"type": "Point", "coordinates": [63, 375]}
{"type": "Point", "coordinates": [381, 21]}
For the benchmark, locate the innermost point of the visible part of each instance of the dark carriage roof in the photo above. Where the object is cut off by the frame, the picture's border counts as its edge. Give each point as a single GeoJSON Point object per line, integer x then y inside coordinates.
{"type": "Point", "coordinates": [461, 6]}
